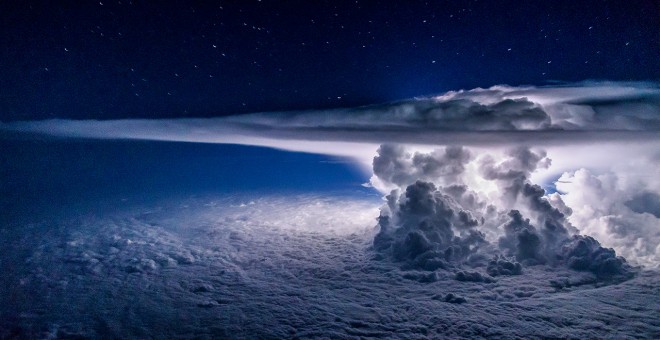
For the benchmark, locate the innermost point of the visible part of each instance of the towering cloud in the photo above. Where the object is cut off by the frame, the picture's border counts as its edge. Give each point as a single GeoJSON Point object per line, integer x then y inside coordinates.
{"type": "Point", "coordinates": [434, 220]}
{"type": "Point", "coordinates": [427, 228]}
{"type": "Point", "coordinates": [396, 166]}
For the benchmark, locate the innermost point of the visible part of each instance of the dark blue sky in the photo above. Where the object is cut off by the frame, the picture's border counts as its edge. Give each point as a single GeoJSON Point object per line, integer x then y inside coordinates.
{"type": "Point", "coordinates": [118, 59]}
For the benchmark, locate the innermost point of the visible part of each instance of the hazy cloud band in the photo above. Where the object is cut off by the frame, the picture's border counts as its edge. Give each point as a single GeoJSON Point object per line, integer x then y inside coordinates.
{"type": "Point", "coordinates": [555, 115]}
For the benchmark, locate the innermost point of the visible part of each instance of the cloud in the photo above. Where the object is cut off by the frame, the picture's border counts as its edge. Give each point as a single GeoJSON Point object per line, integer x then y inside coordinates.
{"type": "Point", "coordinates": [473, 277]}
{"type": "Point", "coordinates": [521, 239]}
{"type": "Point", "coordinates": [501, 109]}
{"type": "Point", "coordinates": [585, 253]}
{"type": "Point", "coordinates": [429, 227]}
{"type": "Point", "coordinates": [579, 124]}
{"type": "Point", "coordinates": [645, 202]}
{"type": "Point", "coordinates": [552, 115]}
{"type": "Point", "coordinates": [465, 228]}
{"type": "Point", "coordinates": [501, 265]}
{"type": "Point", "coordinates": [617, 208]}
{"type": "Point", "coordinates": [423, 227]}
{"type": "Point", "coordinates": [482, 175]}
{"type": "Point", "coordinates": [454, 114]}
{"type": "Point", "coordinates": [300, 265]}
{"type": "Point", "coordinates": [394, 165]}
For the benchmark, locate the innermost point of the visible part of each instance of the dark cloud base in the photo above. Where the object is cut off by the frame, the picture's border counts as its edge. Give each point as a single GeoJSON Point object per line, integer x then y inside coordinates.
{"type": "Point", "coordinates": [211, 269]}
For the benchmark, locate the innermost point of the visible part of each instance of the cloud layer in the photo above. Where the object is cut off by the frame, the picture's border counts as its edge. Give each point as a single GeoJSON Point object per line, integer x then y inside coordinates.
{"type": "Point", "coordinates": [572, 113]}
{"type": "Point", "coordinates": [224, 263]}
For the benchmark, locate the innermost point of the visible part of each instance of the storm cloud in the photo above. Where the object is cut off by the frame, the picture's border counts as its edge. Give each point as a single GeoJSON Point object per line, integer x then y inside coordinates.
{"type": "Point", "coordinates": [431, 227]}
{"type": "Point", "coordinates": [523, 207]}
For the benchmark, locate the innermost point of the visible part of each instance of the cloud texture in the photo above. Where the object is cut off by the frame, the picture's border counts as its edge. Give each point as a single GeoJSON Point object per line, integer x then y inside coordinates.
{"type": "Point", "coordinates": [590, 130]}
{"type": "Point", "coordinates": [563, 114]}
{"type": "Point", "coordinates": [511, 205]}
{"type": "Point", "coordinates": [434, 220]}
{"type": "Point", "coordinates": [220, 263]}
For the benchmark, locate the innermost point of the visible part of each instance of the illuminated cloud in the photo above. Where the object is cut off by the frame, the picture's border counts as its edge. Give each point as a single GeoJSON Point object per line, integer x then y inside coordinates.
{"type": "Point", "coordinates": [553, 115]}
{"type": "Point", "coordinates": [601, 126]}
{"type": "Point", "coordinates": [452, 225]}
{"type": "Point", "coordinates": [605, 207]}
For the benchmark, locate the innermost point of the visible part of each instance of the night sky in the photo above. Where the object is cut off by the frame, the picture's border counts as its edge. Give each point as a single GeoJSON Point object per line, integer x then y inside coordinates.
{"type": "Point", "coordinates": [258, 169]}
{"type": "Point", "coordinates": [121, 59]}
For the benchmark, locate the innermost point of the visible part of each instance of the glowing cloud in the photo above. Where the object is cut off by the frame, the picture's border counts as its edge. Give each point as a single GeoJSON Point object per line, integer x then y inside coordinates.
{"type": "Point", "coordinates": [610, 129]}
{"type": "Point", "coordinates": [575, 113]}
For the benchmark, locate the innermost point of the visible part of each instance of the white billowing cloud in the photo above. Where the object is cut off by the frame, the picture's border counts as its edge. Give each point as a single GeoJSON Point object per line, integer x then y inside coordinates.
{"type": "Point", "coordinates": [601, 208]}
{"type": "Point", "coordinates": [456, 206]}
{"type": "Point", "coordinates": [582, 106]}
{"type": "Point", "coordinates": [395, 166]}
{"type": "Point", "coordinates": [553, 115]}
{"type": "Point", "coordinates": [621, 117]}
{"type": "Point", "coordinates": [637, 159]}
{"type": "Point", "coordinates": [595, 107]}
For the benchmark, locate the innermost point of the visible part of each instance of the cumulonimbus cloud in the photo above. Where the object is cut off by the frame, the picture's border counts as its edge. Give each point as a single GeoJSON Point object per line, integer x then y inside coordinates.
{"type": "Point", "coordinates": [571, 121]}
{"type": "Point", "coordinates": [436, 220]}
